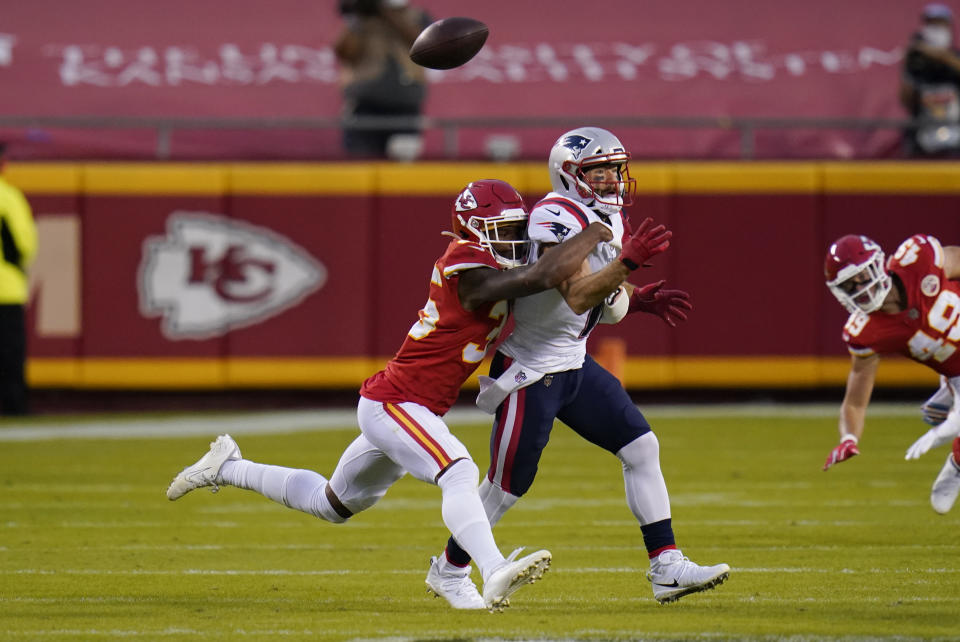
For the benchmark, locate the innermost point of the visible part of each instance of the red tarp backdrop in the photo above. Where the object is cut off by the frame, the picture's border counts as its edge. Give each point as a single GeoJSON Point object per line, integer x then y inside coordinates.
{"type": "Point", "coordinates": [251, 58]}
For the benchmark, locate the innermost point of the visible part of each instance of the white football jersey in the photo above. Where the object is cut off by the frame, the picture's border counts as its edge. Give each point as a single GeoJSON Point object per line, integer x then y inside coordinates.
{"type": "Point", "coordinates": [547, 335]}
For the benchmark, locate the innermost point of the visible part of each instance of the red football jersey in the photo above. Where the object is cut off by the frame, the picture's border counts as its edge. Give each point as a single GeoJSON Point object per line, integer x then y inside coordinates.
{"type": "Point", "coordinates": [928, 330]}
{"type": "Point", "coordinates": [447, 343]}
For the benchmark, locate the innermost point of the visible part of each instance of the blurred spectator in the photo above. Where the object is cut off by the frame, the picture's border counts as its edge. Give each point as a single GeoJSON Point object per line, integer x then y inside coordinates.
{"type": "Point", "coordinates": [18, 242]}
{"type": "Point", "coordinates": [930, 86]}
{"type": "Point", "coordinates": [378, 77]}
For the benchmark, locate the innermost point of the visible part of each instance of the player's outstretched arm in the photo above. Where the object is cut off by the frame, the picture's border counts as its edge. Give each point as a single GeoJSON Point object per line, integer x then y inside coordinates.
{"type": "Point", "coordinates": [587, 290]}
{"type": "Point", "coordinates": [853, 410]}
{"type": "Point", "coordinates": [482, 285]}
{"type": "Point", "coordinates": [936, 412]}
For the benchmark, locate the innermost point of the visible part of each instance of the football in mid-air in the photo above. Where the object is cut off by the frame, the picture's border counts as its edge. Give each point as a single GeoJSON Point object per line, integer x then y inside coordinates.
{"type": "Point", "coordinates": [449, 43]}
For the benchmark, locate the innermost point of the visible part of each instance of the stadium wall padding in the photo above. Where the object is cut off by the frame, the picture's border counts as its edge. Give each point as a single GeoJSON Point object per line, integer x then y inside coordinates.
{"type": "Point", "coordinates": [749, 244]}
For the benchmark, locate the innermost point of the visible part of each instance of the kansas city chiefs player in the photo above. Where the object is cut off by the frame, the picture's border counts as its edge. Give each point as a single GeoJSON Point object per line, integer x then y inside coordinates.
{"type": "Point", "coordinates": [400, 407]}
{"type": "Point", "coordinates": [909, 306]}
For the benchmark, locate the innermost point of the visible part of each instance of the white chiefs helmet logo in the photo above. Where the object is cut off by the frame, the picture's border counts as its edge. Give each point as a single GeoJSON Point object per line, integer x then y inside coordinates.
{"type": "Point", "coordinates": [930, 285]}
{"type": "Point", "coordinates": [466, 201]}
{"type": "Point", "coordinates": [211, 274]}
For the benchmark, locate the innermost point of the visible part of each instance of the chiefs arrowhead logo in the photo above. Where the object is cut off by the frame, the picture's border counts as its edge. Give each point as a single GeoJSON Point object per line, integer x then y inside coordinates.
{"type": "Point", "coordinates": [211, 274]}
{"type": "Point", "coordinates": [466, 201]}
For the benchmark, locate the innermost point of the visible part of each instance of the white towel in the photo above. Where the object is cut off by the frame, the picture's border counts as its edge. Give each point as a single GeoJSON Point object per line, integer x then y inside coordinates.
{"type": "Point", "coordinates": [494, 391]}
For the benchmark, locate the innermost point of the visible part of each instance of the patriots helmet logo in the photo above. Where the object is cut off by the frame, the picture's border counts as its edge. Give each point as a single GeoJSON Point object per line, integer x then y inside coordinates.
{"type": "Point", "coordinates": [466, 201]}
{"type": "Point", "coordinates": [576, 144]}
{"type": "Point", "coordinates": [559, 230]}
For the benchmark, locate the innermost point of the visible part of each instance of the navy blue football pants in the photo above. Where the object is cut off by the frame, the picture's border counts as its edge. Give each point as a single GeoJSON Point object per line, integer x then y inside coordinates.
{"type": "Point", "coordinates": [589, 400]}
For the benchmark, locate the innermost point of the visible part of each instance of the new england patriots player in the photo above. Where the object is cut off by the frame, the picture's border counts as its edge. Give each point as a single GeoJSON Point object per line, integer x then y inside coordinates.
{"type": "Point", "coordinates": [541, 372]}
{"type": "Point", "coordinates": [401, 408]}
{"type": "Point", "coordinates": [910, 306]}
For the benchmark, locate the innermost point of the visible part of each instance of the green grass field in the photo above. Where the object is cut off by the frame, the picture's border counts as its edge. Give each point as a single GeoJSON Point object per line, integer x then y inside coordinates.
{"type": "Point", "coordinates": [91, 549]}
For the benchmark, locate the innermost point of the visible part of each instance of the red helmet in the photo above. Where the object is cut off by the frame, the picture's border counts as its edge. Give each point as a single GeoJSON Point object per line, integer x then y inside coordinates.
{"type": "Point", "coordinates": [854, 269]}
{"type": "Point", "coordinates": [492, 213]}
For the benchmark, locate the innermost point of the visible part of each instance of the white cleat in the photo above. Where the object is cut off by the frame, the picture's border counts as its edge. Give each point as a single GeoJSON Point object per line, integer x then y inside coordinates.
{"type": "Point", "coordinates": [673, 576]}
{"type": "Point", "coordinates": [946, 487]}
{"type": "Point", "coordinates": [456, 588]}
{"type": "Point", "coordinates": [515, 573]}
{"type": "Point", "coordinates": [207, 469]}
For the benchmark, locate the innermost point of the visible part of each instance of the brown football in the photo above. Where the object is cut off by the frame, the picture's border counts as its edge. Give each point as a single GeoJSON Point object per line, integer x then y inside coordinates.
{"type": "Point", "coordinates": [449, 43]}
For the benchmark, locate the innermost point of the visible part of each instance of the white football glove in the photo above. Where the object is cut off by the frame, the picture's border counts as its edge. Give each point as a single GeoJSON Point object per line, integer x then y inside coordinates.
{"type": "Point", "coordinates": [933, 438]}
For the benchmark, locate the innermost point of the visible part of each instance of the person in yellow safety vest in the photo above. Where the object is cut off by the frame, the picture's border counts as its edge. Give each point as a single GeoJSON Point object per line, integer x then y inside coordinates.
{"type": "Point", "coordinates": [18, 246]}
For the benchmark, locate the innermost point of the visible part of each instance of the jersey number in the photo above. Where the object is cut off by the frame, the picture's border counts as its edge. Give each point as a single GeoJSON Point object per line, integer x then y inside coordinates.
{"type": "Point", "coordinates": [472, 352]}
{"type": "Point", "coordinates": [592, 320]}
{"type": "Point", "coordinates": [429, 315]}
{"type": "Point", "coordinates": [907, 253]}
{"type": "Point", "coordinates": [943, 317]}
{"type": "Point", "coordinates": [856, 323]}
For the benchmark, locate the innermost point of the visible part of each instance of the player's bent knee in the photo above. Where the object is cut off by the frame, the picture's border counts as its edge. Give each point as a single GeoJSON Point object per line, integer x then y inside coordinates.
{"type": "Point", "coordinates": [341, 511]}
{"type": "Point", "coordinates": [460, 471]}
{"type": "Point", "coordinates": [643, 450]}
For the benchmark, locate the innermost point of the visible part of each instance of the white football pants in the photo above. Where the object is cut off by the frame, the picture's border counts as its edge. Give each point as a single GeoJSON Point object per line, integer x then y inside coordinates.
{"type": "Point", "coordinates": [396, 439]}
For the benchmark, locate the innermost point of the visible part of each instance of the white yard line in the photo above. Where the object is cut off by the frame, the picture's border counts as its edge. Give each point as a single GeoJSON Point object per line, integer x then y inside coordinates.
{"type": "Point", "coordinates": [264, 423]}
{"type": "Point", "coordinates": [581, 570]}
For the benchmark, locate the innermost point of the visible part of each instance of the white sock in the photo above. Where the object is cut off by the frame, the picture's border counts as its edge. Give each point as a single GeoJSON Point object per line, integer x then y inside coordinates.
{"type": "Point", "coordinates": [464, 516]}
{"type": "Point", "coordinates": [646, 489]}
{"type": "Point", "coordinates": [496, 501]}
{"type": "Point", "coordinates": [302, 490]}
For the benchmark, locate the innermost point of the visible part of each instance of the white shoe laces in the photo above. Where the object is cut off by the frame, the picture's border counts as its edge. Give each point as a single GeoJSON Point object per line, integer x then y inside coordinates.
{"type": "Point", "coordinates": [461, 586]}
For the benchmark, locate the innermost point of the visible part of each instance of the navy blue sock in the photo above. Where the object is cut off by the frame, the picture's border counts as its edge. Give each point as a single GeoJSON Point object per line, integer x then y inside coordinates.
{"type": "Point", "coordinates": [455, 554]}
{"type": "Point", "coordinates": [658, 537]}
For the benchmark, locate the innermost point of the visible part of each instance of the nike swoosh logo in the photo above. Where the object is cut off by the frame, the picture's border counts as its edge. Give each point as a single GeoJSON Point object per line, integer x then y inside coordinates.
{"type": "Point", "coordinates": [554, 212]}
{"type": "Point", "coordinates": [674, 585]}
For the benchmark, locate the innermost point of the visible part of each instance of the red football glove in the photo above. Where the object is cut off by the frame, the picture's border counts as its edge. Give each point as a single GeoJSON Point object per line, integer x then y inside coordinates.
{"type": "Point", "coordinates": [669, 305]}
{"type": "Point", "coordinates": [846, 450]}
{"type": "Point", "coordinates": [647, 241]}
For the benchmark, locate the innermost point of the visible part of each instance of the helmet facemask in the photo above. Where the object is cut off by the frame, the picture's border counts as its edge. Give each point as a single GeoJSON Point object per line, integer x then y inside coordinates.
{"type": "Point", "coordinates": [863, 287]}
{"type": "Point", "coordinates": [491, 213]}
{"type": "Point", "coordinates": [504, 236]}
{"type": "Point", "coordinates": [607, 196]}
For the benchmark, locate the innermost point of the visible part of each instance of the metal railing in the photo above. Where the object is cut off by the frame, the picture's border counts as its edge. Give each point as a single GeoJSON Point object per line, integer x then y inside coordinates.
{"type": "Point", "coordinates": [451, 128]}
